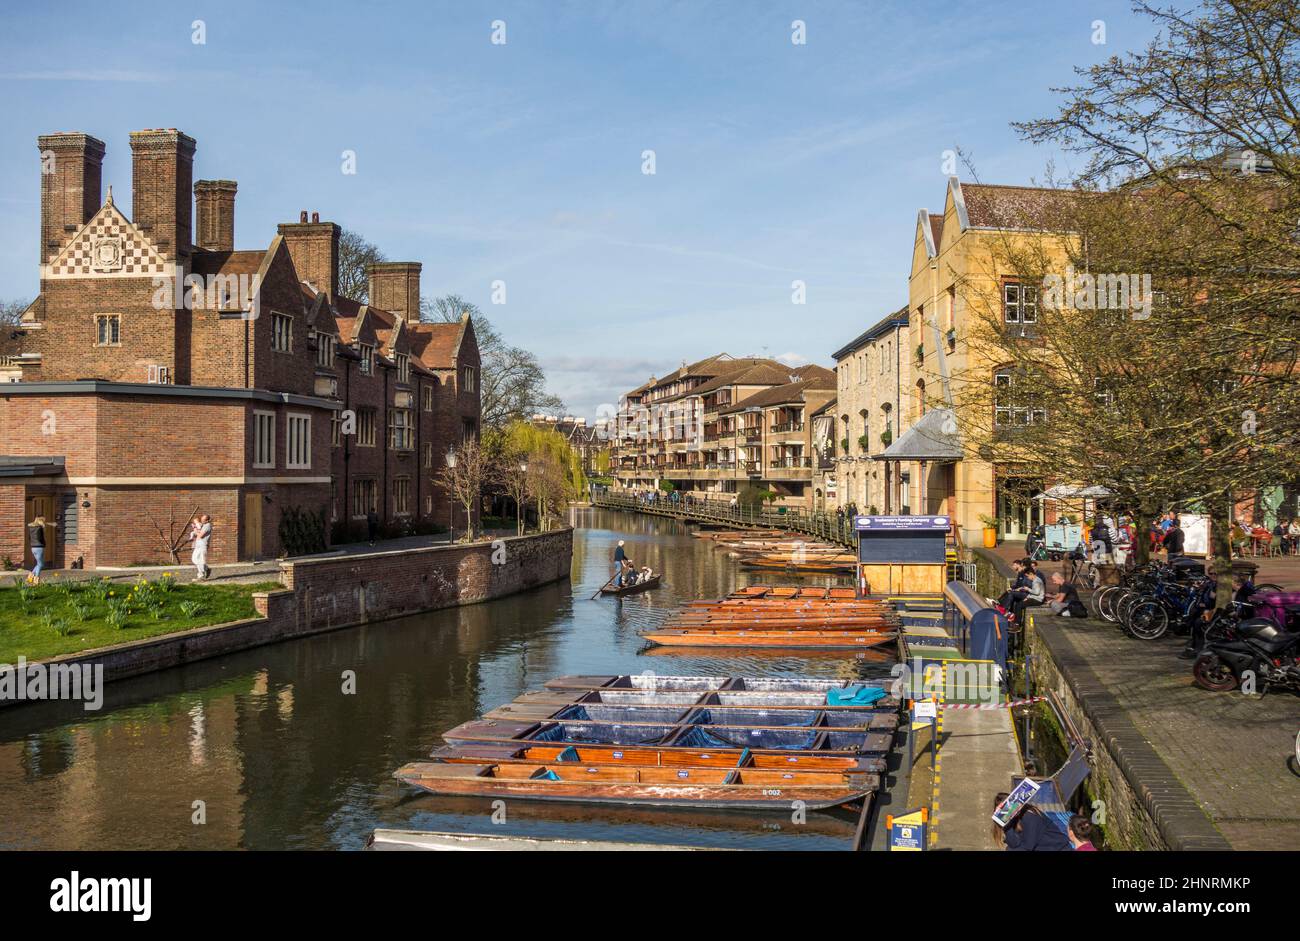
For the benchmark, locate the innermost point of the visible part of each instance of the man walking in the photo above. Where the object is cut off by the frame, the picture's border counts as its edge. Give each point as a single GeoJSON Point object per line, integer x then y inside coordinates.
{"type": "Point", "coordinates": [1173, 541]}
{"type": "Point", "coordinates": [201, 536]}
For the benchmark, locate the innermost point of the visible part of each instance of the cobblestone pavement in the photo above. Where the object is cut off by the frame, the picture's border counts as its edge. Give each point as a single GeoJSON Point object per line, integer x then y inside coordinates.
{"type": "Point", "coordinates": [1228, 749]}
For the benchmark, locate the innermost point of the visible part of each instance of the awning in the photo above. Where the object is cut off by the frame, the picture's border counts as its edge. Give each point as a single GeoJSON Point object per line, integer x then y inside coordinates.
{"type": "Point", "coordinates": [933, 438]}
{"type": "Point", "coordinates": [1068, 492]}
{"type": "Point", "coordinates": [18, 466]}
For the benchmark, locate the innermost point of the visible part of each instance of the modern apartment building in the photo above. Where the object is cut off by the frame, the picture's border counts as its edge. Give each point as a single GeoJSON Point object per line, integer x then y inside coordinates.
{"type": "Point", "coordinates": [721, 424]}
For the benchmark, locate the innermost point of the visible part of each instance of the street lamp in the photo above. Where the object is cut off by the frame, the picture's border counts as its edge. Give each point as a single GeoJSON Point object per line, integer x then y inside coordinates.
{"type": "Point", "coordinates": [519, 504]}
{"type": "Point", "coordinates": [451, 505]}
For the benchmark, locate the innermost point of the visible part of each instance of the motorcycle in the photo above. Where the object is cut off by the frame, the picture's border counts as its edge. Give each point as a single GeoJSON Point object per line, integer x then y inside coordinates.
{"type": "Point", "coordinates": [1256, 646]}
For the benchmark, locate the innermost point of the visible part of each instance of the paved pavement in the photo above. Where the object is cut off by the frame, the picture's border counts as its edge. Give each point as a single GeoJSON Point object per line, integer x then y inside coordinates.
{"type": "Point", "coordinates": [267, 570]}
{"type": "Point", "coordinates": [1229, 750]}
{"type": "Point", "coordinates": [978, 755]}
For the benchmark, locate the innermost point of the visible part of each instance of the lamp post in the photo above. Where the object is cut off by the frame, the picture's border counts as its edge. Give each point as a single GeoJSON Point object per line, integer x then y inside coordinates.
{"type": "Point", "coordinates": [519, 505]}
{"type": "Point", "coordinates": [451, 500]}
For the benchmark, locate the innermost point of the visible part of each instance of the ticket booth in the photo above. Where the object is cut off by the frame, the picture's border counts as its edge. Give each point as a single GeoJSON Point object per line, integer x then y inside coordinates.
{"type": "Point", "coordinates": [902, 555]}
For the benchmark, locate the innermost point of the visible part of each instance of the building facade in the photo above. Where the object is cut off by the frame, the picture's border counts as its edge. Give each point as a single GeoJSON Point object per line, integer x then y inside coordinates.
{"type": "Point", "coordinates": [161, 372]}
{"type": "Point", "coordinates": [717, 426]}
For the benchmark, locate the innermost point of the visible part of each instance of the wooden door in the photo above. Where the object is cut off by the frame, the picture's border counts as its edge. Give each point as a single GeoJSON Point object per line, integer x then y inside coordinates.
{"type": "Point", "coordinates": [40, 505]}
{"type": "Point", "coordinates": [252, 525]}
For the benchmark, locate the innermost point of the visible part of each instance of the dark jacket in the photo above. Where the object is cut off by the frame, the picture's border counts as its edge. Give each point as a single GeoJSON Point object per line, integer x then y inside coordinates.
{"type": "Point", "coordinates": [37, 535]}
{"type": "Point", "coordinates": [1174, 541]}
{"type": "Point", "coordinates": [1035, 834]}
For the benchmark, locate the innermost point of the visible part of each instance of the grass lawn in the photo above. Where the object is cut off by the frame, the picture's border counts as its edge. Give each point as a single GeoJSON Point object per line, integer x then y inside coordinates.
{"type": "Point", "coordinates": [64, 617]}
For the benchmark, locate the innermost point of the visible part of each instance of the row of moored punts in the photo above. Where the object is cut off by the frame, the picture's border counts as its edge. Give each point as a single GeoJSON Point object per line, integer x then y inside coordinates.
{"type": "Point", "coordinates": [722, 742]}
{"type": "Point", "coordinates": [794, 618]}
{"type": "Point", "coordinates": [776, 550]}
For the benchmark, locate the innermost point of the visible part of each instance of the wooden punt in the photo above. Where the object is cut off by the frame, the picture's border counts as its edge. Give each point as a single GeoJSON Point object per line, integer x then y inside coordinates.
{"type": "Point", "coordinates": [786, 639]}
{"type": "Point", "coordinates": [822, 716]}
{"type": "Point", "coordinates": [706, 684]}
{"type": "Point", "coordinates": [652, 582]}
{"type": "Point", "coordinates": [741, 699]}
{"type": "Point", "coordinates": [739, 788]}
{"type": "Point", "coordinates": [786, 740]}
{"type": "Point", "coordinates": [479, 753]}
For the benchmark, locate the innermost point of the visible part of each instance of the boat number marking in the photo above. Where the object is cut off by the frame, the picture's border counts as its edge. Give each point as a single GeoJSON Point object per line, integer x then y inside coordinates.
{"type": "Point", "coordinates": [771, 792]}
{"type": "Point", "coordinates": [705, 757]}
{"type": "Point", "coordinates": [618, 754]}
{"type": "Point", "coordinates": [683, 774]}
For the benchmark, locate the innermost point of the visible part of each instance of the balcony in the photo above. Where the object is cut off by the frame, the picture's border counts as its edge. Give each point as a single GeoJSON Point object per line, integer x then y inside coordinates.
{"type": "Point", "coordinates": [753, 468]}
{"type": "Point", "coordinates": [790, 468]}
{"type": "Point", "coordinates": [751, 434]}
{"type": "Point", "coordinates": [789, 427]}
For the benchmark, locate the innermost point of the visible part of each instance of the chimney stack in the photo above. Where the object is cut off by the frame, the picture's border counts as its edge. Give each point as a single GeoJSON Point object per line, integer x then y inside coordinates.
{"type": "Point", "coordinates": [214, 218]}
{"type": "Point", "coordinates": [314, 248]}
{"type": "Point", "coordinates": [395, 287]}
{"type": "Point", "coordinates": [71, 175]}
{"type": "Point", "coordinates": [162, 176]}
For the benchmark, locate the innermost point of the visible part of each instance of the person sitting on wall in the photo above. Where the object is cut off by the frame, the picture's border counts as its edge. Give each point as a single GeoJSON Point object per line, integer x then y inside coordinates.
{"type": "Point", "coordinates": [1082, 834]}
{"type": "Point", "coordinates": [1031, 831]}
{"type": "Point", "coordinates": [1018, 587]}
{"type": "Point", "coordinates": [1065, 600]}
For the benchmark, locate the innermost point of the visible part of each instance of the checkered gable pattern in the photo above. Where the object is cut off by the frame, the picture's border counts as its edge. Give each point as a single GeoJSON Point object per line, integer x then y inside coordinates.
{"type": "Point", "coordinates": [108, 246]}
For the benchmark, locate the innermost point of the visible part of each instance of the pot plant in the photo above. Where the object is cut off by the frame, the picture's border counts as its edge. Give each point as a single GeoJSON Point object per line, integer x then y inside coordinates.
{"type": "Point", "coordinates": [990, 531]}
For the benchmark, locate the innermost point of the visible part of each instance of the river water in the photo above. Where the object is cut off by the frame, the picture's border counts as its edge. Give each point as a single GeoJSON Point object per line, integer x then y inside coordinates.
{"type": "Point", "coordinates": [281, 758]}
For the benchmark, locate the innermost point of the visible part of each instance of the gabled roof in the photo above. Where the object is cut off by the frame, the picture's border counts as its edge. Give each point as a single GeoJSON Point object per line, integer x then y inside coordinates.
{"type": "Point", "coordinates": [226, 263]}
{"type": "Point", "coordinates": [780, 395]}
{"type": "Point", "coordinates": [933, 438]}
{"type": "Point", "coordinates": [108, 246]}
{"type": "Point", "coordinates": [890, 322]}
{"type": "Point", "coordinates": [437, 345]}
{"type": "Point", "coordinates": [989, 206]}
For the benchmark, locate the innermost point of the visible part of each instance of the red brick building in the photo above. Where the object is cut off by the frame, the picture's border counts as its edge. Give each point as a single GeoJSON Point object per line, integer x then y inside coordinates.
{"type": "Point", "coordinates": [162, 372]}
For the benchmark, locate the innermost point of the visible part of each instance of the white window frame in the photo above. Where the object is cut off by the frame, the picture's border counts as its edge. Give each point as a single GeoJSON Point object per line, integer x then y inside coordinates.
{"type": "Point", "coordinates": [258, 438]}
{"type": "Point", "coordinates": [277, 319]}
{"type": "Point", "coordinates": [297, 453]}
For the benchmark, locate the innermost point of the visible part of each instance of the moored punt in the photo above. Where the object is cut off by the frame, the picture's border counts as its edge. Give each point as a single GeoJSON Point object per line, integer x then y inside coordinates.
{"type": "Point", "coordinates": [646, 585]}
{"type": "Point", "coordinates": [421, 840]}
{"type": "Point", "coordinates": [667, 735]}
{"type": "Point", "coordinates": [788, 639]}
{"type": "Point", "coordinates": [479, 753]}
{"type": "Point", "coordinates": [820, 717]}
{"type": "Point", "coordinates": [696, 787]}
{"type": "Point", "coordinates": [545, 704]}
{"type": "Point", "coordinates": [655, 681]}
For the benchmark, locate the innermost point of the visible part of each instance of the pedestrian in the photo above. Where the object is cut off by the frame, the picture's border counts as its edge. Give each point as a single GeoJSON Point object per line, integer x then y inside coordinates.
{"type": "Point", "coordinates": [1032, 832]}
{"type": "Point", "coordinates": [1081, 834]}
{"type": "Point", "coordinates": [620, 563]}
{"type": "Point", "coordinates": [1293, 531]}
{"type": "Point", "coordinates": [1173, 541]}
{"type": "Point", "coordinates": [201, 536]}
{"type": "Point", "coordinates": [36, 540]}
{"type": "Point", "coordinates": [372, 525]}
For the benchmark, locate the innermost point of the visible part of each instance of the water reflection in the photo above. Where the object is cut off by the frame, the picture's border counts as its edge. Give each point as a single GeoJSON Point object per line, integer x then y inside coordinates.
{"type": "Point", "coordinates": [283, 756]}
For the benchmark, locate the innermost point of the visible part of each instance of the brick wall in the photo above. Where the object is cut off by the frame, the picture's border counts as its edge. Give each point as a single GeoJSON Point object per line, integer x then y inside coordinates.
{"type": "Point", "coordinates": [360, 588]}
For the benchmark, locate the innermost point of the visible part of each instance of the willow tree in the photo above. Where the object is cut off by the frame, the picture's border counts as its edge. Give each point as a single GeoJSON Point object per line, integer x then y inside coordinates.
{"type": "Point", "coordinates": [1162, 363]}
{"type": "Point", "coordinates": [541, 463]}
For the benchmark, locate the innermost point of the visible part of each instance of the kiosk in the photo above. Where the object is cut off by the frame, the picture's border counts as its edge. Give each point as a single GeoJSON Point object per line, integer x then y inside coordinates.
{"type": "Point", "coordinates": [902, 555]}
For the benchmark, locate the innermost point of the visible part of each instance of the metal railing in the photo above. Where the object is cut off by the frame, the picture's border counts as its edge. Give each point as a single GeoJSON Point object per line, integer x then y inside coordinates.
{"type": "Point", "coordinates": [829, 527]}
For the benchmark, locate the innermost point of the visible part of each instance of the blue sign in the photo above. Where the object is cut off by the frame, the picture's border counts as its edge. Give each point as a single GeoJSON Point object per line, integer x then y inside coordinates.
{"type": "Point", "coordinates": [902, 522]}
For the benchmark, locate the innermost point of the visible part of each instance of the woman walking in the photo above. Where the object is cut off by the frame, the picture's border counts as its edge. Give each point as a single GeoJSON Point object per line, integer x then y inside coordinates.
{"type": "Point", "coordinates": [36, 539]}
{"type": "Point", "coordinates": [201, 535]}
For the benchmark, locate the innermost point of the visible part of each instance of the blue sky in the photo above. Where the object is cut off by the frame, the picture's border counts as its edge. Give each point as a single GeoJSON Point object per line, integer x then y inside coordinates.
{"type": "Point", "coordinates": [522, 162]}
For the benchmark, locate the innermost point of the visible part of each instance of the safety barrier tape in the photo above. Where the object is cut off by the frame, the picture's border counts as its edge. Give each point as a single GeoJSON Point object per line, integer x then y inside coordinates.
{"type": "Point", "coordinates": [1001, 705]}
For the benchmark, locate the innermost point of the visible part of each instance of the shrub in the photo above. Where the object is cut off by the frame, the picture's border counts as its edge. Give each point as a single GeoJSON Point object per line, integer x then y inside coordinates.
{"type": "Point", "coordinates": [191, 608]}
{"type": "Point", "coordinates": [302, 532]}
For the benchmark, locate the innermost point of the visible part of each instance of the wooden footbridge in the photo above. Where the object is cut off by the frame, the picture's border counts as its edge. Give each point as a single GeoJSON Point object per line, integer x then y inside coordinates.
{"type": "Point", "coordinates": [831, 528]}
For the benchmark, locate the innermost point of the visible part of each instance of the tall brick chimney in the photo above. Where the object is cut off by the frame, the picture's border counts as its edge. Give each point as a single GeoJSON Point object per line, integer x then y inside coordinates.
{"type": "Point", "coordinates": [71, 176]}
{"type": "Point", "coordinates": [314, 248]}
{"type": "Point", "coordinates": [214, 215]}
{"type": "Point", "coordinates": [162, 178]}
{"type": "Point", "coordinates": [395, 287]}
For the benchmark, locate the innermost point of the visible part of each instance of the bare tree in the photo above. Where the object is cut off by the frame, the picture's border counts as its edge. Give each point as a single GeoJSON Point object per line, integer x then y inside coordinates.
{"type": "Point", "coordinates": [464, 477]}
{"type": "Point", "coordinates": [355, 255]}
{"type": "Point", "coordinates": [174, 533]}
{"type": "Point", "coordinates": [512, 382]}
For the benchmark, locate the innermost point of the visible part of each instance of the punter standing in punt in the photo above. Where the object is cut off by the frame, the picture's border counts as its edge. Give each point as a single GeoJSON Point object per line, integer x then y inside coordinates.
{"type": "Point", "coordinates": [620, 558]}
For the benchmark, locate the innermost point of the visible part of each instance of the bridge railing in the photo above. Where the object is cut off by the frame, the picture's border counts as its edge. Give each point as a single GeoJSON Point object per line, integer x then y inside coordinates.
{"type": "Point", "coordinates": [831, 528]}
